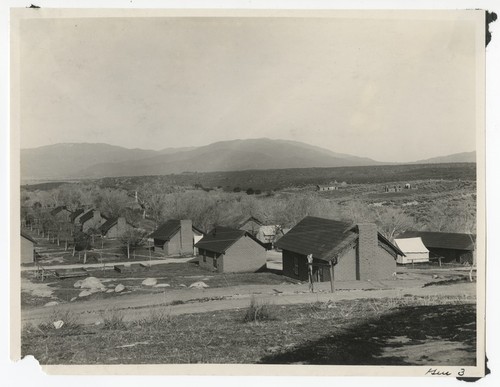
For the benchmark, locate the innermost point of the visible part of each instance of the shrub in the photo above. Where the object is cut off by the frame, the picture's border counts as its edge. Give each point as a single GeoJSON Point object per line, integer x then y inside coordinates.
{"type": "Point", "coordinates": [258, 311]}
{"type": "Point", "coordinates": [113, 320]}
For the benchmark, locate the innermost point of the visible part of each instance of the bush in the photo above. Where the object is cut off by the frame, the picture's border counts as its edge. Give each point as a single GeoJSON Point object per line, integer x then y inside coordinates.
{"type": "Point", "coordinates": [113, 320]}
{"type": "Point", "coordinates": [257, 312]}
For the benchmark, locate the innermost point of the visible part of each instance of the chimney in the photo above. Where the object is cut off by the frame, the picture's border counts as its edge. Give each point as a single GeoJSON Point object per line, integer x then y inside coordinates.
{"type": "Point", "coordinates": [187, 237]}
{"type": "Point", "coordinates": [367, 248]}
{"type": "Point", "coordinates": [97, 215]}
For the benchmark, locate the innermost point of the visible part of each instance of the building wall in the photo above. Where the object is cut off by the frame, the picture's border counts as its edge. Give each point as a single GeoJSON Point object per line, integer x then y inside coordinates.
{"type": "Point", "coordinates": [244, 256]}
{"type": "Point", "coordinates": [346, 267]}
{"type": "Point", "coordinates": [383, 265]}
{"type": "Point", "coordinates": [295, 265]}
{"type": "Point", "coordinates": [451, 255]}
{"type": "Point", "coordinates": [413, 257]}
{"type": "Point", "coordinates": [206, 261]}
{"type": "Point", "coordinates": [27, 251]}
{"type": "Point", "coordinates": [118, 230]}
{"type": "Point", "coordinates": [63, 216]}
{"type": "Point", "coordinates": [95, 222]}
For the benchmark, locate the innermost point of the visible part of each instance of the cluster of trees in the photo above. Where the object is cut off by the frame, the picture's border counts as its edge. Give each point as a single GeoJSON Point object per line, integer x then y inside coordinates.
{"type": "Point", "coordinates": [158, 202]}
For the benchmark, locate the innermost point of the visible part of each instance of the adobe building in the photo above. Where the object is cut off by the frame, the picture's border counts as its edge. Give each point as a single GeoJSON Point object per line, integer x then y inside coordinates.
{"type": "Point", "coordinates": [176, 237]}
{"type": "Point", "coordinates": [228, 250]}
{"type": "Point", "coordinates": [349, 252]}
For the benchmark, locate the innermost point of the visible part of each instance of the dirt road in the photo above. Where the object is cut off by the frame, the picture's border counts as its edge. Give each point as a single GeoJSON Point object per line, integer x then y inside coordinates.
{"type": "Point", "coordinates": [175, 302]}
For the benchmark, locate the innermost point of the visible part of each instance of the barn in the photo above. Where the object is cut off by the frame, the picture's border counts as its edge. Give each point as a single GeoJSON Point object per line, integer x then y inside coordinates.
{"type": "Point", "coordinates": [115, 227]}
{"type": "Point", "coordinates": [447, 246]}
{"type": "Point", "coordinates": [176, 237]}
{"type": "Point", "coordinates": [228, 250]}
{"type": "Point", "coordinates": [27, 249]}
{"type": "Point", "coordinates": [348, 252]}
{"type": "Point", "coordinates": [414, 249]}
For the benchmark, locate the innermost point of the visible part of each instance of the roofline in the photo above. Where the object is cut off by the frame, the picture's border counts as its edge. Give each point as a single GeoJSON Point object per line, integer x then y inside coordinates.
{"type": "Point", "coordinates": [392, 245]}
{"type": "Point", "coordinates": [28, 237]}
{"type": "Point", "coordinates": [245, 233]}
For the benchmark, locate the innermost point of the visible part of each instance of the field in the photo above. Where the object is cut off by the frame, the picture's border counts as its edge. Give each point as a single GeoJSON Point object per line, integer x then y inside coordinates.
{"type": "Point", "coordinates": [403, 331]}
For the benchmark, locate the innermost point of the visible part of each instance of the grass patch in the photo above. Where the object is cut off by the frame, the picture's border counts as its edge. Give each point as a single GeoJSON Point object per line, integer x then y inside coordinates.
{"type": "Point", "coordinates": [113, 320]}
{"type": "Point", "coordinates": [258, 312]}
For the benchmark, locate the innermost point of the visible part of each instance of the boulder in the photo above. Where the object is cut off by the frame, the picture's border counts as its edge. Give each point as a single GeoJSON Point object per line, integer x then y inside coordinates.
{"type": "Point", "coordinates": [182, 286]}
{"type": "Point", "coordinates": [58, 324]}
{"type": "Point", "coordinates": [119, 288]}
{"type": "Point", "coordinates": [85, 293]}
{"type": "Point", "coordinates": [149, 282]}
{"type": "Point", "coordinates": [73, 299]}
{"type": "Point", "coordinates": [51, 303]}
{"type": "Point", "coordinates": [162, 285]}
{"type": "Point", "coordinates": [91, 283]}
{"type": "Point", "coordinates": [110, 291]}
{"type": "Point", "coordinates": [78, 284]}
{"type": "Point", "coordinates": [198, 285]}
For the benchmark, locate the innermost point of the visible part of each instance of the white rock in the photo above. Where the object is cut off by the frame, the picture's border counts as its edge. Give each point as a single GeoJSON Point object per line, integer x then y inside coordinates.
{"type": "Point", "coordinates": [162, 285]}
{"type": "Point", "coordinates": [182, 286]}
{"type": "Point", "coordinates": [51, 303]}
{"type": "Point", "coordinates": [110, 291]}
{"type": "Point", "coordinates": [198, 285]}
{"type": "Point", "coordinates": [85, 293]}
{"type": "Point", "coordinates": [119, 288]}
{"type": "Point", "coordinates": [149, 282]}
{"type": "Point", "coordinates": [73, 299]}
{"type": "Point", "coordinates": [58, 324]}
{"type": "Point", "coordinates": [78, 284]}
{"type": "Point", "coordinates": [92, 283]}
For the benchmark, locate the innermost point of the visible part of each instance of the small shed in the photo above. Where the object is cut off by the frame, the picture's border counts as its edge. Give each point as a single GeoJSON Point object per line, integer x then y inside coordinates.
{"type": "Point", "coordinates": [414, 249]}
{"type": "Point", "coordinates": [228, 250]}
{"type": "Point", "coordinates": [175, 237]}
{"type": "Point", "coordinates": [27, 249]}
{"type": "Point", "coordinates": [115, 227]}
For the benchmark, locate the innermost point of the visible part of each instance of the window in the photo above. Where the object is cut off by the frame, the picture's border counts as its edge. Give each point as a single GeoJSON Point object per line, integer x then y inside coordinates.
{"type": "Point", "coordinates": [296, 265]}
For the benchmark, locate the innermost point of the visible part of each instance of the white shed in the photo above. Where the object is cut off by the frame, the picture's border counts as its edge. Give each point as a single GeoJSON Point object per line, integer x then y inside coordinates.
{"type": "Point", "coordinates": [414, 250]}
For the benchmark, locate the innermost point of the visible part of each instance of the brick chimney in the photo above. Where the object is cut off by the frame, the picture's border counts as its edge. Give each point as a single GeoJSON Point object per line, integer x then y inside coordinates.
{"type": "Point", "coordinates": [367, 248]}
{"type": "Point", "coordinates": [186, 237]}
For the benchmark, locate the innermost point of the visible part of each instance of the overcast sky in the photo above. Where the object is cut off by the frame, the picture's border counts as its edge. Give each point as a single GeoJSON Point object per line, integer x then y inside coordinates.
{"type": "Point", "coordinates": [385, 89]}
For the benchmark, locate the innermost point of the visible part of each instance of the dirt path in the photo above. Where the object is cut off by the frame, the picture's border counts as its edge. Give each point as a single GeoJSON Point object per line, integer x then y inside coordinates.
{"type": "Point", "coordinates": [108, 264]}
{"type": "Point", "coordinates": [176, 302]}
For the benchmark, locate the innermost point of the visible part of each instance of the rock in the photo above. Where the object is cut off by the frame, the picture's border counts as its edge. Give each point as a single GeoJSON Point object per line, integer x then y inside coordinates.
{"type": "Point", "coordinates": [149, 282]}
{"type": "Point", "coordinates": [119, 288]}
{"type": "Point", "coordinates": [162, 285]}
{"type": "Point", "coordinates": [58, 324]}
{"type": "Point", "coordinates": [85, 293]}
{"type": "Point", "coordinates": [51, 303]}
{"type": "Point", "coordinates": [198, 285]}
{"type": "Point", "coordinates": [92, 283]}
{"type": "Point", "coordinates": [110, 291]}
{"type": "Point", "coordinates": [78, 284]}
{"type": "Point", "coordinates": [182, 286]}
{"type": "Point", "coordinates": [73, 299]}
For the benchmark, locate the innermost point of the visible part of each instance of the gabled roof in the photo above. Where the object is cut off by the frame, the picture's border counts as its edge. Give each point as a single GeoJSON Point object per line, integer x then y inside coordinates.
{"type": "Point", "coordinates": [169, 229]}
{"type": "Point", "coordinates": [323, 238]}
{"type": "Point", "coordinates": [106, 226]}
{"type": "Point", "coordinates": [87, 216]}
{"type": "Point", "coordinates": [57, 210]}
{"type": "Point", "coordinates": [26, 236]}
{"type": "Point", "coordinates": [411, 245]}
{"type": "Point", "coordinates": [443, 240]}
{"type": "Point", "coordinates": [220, 239]}
{"type": "Point", "coordinates": [249, 219]}
{"type": "Point", "coordinates": [75, 214]}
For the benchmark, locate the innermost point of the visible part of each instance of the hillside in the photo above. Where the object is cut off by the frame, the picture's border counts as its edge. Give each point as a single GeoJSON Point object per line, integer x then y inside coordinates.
{"type": "Point", "coordinates": [464, 157]}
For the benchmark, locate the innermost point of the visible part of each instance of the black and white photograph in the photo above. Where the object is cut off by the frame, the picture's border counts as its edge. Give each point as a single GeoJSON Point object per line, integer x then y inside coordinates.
{"type": "Point", "coordinates": [250, 188]}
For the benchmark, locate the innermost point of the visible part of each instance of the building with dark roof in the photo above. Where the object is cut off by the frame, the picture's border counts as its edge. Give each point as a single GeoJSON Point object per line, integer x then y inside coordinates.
{"type": "Point", "coordinates": [76, 214]}
{"type": "Point", "coordinates": [27, 249]}
{"type": "Point", "coordinates": [61, 213]}
{"type": "Point", "coordinates": [91, 219]}
{"type": "Point", "coordinates": [115, 227]}
{"type": "Point", "coordinates": [446, 246]}
{"type": "Point", "coordinates": [250, 224]}
{"type": "Point", "coordinates": [350, 252]}
{"type": "Point", "coordinates": [176, 237]}
{"type": "Point", "coordinates": [229, 250]}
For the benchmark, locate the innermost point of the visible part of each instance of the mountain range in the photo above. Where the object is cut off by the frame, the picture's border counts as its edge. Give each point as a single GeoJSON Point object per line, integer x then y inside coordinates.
{"type": "Point", "coordinates": [86, 160]}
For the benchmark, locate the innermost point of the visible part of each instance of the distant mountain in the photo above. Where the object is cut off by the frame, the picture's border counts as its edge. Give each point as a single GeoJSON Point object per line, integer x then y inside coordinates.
{"type": "Point", "coordinates": [464, 157]}
{"type": "Point", "coordinates": [232, 155]}
{"type": "Point", "coordinates": [65, 160]}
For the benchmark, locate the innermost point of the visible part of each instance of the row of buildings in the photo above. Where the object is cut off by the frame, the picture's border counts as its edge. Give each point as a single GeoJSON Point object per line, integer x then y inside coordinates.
{"type": "Point", "coordinates": [317, 247]}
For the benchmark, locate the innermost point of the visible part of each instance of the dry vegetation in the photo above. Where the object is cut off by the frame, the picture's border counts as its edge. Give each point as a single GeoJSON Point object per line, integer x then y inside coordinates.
{"type": "Point", "coordinates": [366, 331]}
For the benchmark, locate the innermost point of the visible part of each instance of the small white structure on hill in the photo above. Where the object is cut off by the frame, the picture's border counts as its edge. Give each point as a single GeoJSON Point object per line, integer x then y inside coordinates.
{"type": "Point", "coordinates": [414, 249]}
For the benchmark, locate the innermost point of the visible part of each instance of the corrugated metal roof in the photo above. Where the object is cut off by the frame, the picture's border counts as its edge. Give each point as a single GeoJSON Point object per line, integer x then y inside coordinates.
{"type": "Point", "coordinates": [443, 240]}
{"type": "Point", "coordinates": [317, 236]}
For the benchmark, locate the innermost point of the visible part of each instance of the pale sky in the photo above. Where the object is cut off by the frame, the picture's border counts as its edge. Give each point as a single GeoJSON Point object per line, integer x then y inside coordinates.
{"type": "Point", "coordinates": [390, 90]}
